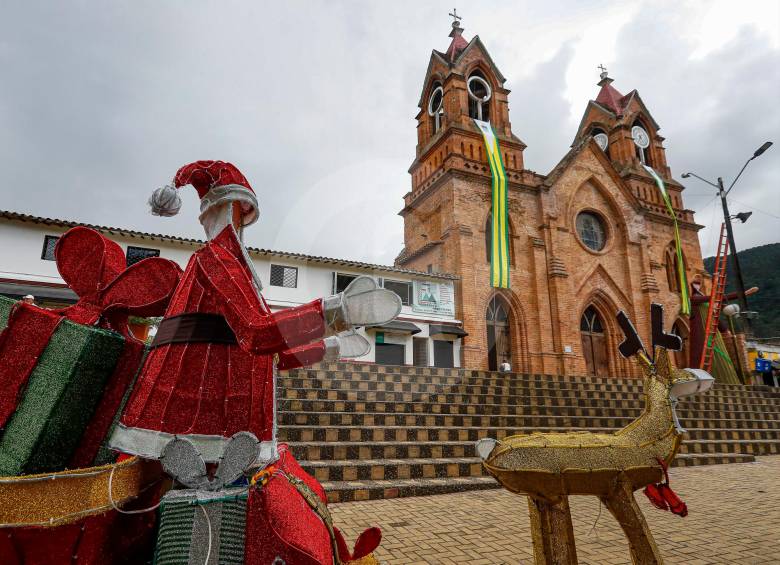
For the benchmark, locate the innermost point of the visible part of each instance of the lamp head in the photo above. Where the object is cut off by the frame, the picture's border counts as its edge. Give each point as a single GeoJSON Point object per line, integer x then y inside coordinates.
{"type": "Point", "coordinates": [743, 216]}
{"type": "Point", "coordinates": [760, 150]}
{"type": "Point", "coordinates": [686, 175]}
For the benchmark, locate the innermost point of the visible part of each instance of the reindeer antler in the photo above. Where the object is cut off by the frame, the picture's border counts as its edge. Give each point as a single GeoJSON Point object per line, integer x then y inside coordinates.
{"type": "Point", "coordinates": [632, 344]}
{"type": "Point", "coordinates": [660, 337]}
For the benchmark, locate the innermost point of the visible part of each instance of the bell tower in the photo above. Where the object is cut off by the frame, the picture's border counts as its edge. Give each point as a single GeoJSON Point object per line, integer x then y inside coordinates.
{"type": "Point", "coordinates": [460, 84]}
{"type": "Point", "coordinates": [626, 132]}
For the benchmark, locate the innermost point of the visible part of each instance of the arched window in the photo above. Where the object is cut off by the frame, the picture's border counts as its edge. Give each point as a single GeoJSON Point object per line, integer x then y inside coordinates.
{"type": "Point", "coordinates": [480, 93]}
{"type": "Point", "coordinates": [489, 240]}
{"type": "Point", "coordinates": [436, 107]}
{"type": "Point", "coordinates": [594, 342]}
{"type": "Point", "coordinates": [497, 317]}
{"type": "Point", "coordinates": [672, 265]}
{"type": "Point", "coordinates": [601, 137]}
{"type": "Point", "coordinates": [641, 142]}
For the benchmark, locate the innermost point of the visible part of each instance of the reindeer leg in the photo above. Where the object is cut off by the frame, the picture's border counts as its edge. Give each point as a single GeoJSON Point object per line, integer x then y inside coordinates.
{"type": "Point", "coordinates": [552, 532]}
{"type": "Point", "coordinates": [622, 504]}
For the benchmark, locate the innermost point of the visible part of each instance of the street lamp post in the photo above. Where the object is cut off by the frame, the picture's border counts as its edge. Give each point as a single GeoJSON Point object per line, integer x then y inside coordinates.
{"type": "Point", "coordinates": [722, 192]}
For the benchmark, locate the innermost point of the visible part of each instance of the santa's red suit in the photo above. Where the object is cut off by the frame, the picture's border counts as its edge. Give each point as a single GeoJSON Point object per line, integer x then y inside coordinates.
{"type": "Point", "coordinates": [210, 372]}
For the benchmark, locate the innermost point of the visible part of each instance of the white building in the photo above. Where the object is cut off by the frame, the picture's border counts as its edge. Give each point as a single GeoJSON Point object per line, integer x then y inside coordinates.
{"type": "Point", "coordinates": [425, 333]}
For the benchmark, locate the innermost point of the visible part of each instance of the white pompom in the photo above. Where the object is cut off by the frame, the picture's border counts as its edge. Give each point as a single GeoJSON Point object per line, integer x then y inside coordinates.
{"type": "Point", "coordinates": [165, 201]}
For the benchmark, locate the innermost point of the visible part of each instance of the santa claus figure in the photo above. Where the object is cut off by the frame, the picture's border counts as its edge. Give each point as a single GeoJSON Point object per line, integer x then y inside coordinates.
{"type": "Point", "coordinates": [210, 371]}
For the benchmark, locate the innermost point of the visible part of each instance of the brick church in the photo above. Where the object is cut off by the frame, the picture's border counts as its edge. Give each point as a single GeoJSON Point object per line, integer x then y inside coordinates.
{"type": "Point", "coordinates": [587, 239]}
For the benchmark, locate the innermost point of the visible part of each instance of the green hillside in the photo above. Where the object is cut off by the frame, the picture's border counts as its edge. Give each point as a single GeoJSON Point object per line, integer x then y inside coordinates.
{"type": "Point", "coordinates": [761, 268]}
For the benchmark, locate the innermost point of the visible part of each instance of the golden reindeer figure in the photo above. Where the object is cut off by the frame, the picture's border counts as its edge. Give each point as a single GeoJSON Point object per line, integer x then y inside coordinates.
{"type": "Point", "coordinates": [548, 467]}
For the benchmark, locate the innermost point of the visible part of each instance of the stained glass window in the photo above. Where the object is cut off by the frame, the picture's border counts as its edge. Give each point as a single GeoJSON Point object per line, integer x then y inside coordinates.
{"type": "Point", "coordinates": [591, 230]}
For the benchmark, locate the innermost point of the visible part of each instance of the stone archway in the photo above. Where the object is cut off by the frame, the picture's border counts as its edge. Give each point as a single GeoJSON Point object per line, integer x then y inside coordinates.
{"type": "Point", "coordinates": [499, 339]}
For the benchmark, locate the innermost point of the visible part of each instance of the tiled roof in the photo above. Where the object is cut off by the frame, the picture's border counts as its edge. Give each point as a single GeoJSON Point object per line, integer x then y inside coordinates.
{"type": "Point", "coordinates": [252, 250]}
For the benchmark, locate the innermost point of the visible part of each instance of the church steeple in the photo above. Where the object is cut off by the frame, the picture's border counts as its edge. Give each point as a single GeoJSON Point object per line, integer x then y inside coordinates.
{"type": "Point", "coordinates": [461, 83]}
{"type": "Point", "coordinates": [458, 43]}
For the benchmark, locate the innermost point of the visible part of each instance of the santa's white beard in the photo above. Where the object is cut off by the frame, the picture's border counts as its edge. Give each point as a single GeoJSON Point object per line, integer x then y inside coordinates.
{"type": "Point", "coordinates": [217, 218]}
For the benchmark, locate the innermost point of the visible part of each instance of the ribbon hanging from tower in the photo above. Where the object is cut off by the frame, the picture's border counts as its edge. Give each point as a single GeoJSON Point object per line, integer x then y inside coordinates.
{"type": "Point", "coordinates": [685, 301]}
{"type": "Point", "coordinates": [499, 241]}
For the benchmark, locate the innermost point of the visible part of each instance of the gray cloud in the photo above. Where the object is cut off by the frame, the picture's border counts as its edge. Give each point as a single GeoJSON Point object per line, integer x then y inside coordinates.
{"type": "Point", "coordinates": [314, 101]}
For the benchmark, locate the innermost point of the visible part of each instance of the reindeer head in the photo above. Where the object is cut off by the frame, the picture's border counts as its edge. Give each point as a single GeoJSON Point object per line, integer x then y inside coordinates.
{"type": "Point", "coordinates": [678, 382]}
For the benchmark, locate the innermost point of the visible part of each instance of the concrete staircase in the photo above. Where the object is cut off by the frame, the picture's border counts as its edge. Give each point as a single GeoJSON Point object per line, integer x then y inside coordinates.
{"type": "Point", "coordinates": [370, 431]}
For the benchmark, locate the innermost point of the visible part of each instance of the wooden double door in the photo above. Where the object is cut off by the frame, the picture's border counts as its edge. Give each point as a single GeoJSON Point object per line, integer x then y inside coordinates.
{"type": "Point", "coordinates": [594, 342]}
{"type": "Point", "coordinates": [498, 336]}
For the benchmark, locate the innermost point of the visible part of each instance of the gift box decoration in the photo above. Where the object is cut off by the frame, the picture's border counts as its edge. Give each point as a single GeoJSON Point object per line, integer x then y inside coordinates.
{"type": "Point", "coordinates": [202, 527]}
{"type": "Point", "coordinates": [62, 392]}
{"type": "Point", "coordinates": [205, 523]}
{"type": "Point", "coordinates": [64, 373]}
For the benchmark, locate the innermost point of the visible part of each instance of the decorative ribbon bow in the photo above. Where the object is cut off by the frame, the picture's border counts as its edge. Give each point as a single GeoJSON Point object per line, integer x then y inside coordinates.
{"type": "Point", "coordinates": [663, 497]}
{"type": "Point", "coordinates": [93, 266]}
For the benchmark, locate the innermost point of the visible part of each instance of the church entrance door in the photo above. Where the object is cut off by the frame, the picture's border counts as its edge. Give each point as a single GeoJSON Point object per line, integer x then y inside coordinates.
{"type": "Point", "coordinates": [498, 336]}
{"type": "Point", "coordinates": [594, 342]}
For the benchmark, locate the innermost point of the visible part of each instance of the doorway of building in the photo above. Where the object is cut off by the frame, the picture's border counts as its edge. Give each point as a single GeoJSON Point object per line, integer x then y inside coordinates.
{"type": "Point", "coordinates": [443, 354]}
{"type": "Point", "coordinates": [390, 354]}
{"type": "Point", "coordinates": [594, 342]}
{"type": "Point", "coordinates": [498, 336]}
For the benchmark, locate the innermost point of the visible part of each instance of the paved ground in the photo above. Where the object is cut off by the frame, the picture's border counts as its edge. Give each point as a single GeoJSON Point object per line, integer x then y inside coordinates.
{"type": "Point", "coordinates": [734, 517]}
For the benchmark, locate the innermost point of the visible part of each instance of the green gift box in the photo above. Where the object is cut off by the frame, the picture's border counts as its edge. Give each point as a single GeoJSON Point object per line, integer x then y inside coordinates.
{"type": "Point", "coordinates": [191, 521]}
{"type": "Point", "coordinates": [60, 397]}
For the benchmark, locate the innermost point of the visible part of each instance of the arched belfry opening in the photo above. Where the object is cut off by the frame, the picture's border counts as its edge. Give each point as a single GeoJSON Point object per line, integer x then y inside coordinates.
{"type": "Point", "coordinates": [681, 358]}
{"type": "Point", "coordinates": [498, 321]}
{"type": "Point", "coordinates": [594, 342]}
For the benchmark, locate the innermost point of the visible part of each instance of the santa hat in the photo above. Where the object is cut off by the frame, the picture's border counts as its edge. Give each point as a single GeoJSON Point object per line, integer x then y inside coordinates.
{"type": "Point", "coordinates": [217, 182]}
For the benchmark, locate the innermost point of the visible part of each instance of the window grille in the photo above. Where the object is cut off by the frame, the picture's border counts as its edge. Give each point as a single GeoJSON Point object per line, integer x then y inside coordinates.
{"type": "Point", "coordinates": [135, 254]}
{"type": "Point", "coordinates": [286, 277]}
{"type": "Point", "coordinates": [49, 242]}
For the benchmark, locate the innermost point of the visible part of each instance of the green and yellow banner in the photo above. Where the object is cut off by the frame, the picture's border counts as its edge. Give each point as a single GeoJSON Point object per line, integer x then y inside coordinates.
{"type": "Point", "coordinates": [499, 253]}
{"type": "Point", "coordinates": [685, 299]}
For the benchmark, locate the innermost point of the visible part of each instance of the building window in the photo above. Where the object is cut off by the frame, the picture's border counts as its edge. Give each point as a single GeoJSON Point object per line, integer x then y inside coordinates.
{"type": "Point", "coordinates": [479, 96]}
{"type": "Point", "coordinates": [135, 254]}
{"type": "Point", "coordinates": [286, 277]}
{"type": "Point", "coordinates": [402, 288]}
{"type": "Point", "coordinates": [49, 242]}
{"type": "Point", "coordinates": [341, 281]}
{"type": "Point", "coordinates": [590, 228]}
{"type": "Point", "coordinates": [436, 107]}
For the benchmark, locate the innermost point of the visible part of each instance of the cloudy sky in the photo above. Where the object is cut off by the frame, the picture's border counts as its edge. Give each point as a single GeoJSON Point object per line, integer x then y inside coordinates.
{"type": "Point", "coordinates": [101, 102]}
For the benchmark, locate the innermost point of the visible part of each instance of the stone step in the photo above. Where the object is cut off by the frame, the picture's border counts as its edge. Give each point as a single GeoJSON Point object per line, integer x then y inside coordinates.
{"type": "Point", "coordinates": [596, 399]}
{"type": "Point", "coordinates": [357, 371]}
{"type": "Point", "coordinates": [348, 491]}
{"type": "Point", "coordinates": [328, 419]}
{"type": "Point", "coordinates": [462, 433]}
{"type": "Point", "coordinates": [469, 385]}
{"type": "Point", "coordinates": [402, 450]}
{"type": "Point", "coordinates": [459, 407]}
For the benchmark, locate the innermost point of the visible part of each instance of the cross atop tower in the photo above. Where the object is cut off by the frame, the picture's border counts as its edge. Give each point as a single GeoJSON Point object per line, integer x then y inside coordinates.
{"type": "Point", "coordinates": [603, 70]}
{"type": "Point", "coordinates": [455, 16]}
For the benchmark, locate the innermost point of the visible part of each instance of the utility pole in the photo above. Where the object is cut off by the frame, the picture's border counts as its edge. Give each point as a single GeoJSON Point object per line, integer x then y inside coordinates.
{"type": "Point", "coordinates": [734, 259]}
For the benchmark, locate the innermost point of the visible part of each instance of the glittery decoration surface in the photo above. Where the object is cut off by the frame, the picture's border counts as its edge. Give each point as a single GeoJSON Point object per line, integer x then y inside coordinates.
{"type": "Point", "coordinates": [192, 520]}
{"type": "Point", "coordinates": [67, 496]}
{"type": "Point", "coordinates": [219, 389]}
{"type": "Point", "coordinates": [61, 394]}
{"type": "Point", "coordinates": [549, 465]}
{"type": "Point", "coordinates": [27, 333]}
{"type": "Point", "coordinates": [281, 523]}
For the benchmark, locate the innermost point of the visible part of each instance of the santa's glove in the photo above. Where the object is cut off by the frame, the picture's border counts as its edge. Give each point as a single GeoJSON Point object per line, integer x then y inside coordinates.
{"type": "Point", "coordinates": [361, 304]}
{"type": "Point", "coordinates": [347, 344]}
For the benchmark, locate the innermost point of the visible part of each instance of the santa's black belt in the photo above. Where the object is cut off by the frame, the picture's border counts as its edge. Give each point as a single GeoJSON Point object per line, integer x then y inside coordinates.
{"type": "Point", "coordinates": [194, 328]}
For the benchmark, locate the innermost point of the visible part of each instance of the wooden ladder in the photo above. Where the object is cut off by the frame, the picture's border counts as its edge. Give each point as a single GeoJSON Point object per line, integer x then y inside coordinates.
{"type": "Point", "coordinates": [716, 300]}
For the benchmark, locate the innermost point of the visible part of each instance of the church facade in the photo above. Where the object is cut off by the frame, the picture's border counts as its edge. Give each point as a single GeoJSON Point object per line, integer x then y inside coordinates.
{"type": "Point", "coordinates": [588, 239]}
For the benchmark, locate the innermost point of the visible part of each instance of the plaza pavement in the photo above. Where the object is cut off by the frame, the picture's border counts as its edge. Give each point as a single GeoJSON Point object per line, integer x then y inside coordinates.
{"type": "Point", "coordinates": [734, 517]}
